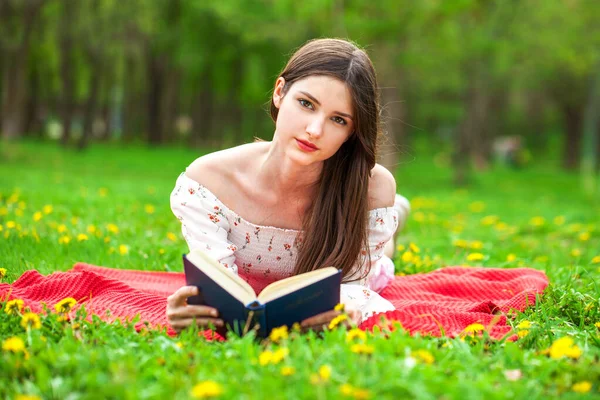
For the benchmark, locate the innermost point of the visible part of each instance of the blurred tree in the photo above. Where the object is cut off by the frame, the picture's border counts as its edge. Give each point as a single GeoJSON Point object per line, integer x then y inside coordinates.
{"type": "Point", "coordinates": [17, 20]}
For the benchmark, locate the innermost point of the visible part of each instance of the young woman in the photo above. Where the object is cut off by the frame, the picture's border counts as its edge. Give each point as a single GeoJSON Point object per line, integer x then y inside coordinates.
{"type": "Point", "coordinates": [312, 197]}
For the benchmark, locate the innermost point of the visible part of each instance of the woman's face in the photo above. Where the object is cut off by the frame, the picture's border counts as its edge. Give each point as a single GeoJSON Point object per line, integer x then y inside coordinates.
{"type": "Point", "coordinates": [316, 111]}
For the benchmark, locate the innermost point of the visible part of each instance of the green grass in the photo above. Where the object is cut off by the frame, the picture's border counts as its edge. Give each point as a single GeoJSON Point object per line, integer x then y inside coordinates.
{"type": "Point", "coordinates": [114, 185]}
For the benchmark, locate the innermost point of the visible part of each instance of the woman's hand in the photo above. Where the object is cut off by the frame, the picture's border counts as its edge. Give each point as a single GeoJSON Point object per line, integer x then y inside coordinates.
{"type": "Point", "coordinates": [320, 321]}
{"type": "Point", "coordinates": [181, 315]}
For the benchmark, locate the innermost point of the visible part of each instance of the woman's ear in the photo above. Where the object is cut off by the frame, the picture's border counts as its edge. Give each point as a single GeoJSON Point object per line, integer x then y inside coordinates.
{"type": "Point", "coordinates": [278, 92]}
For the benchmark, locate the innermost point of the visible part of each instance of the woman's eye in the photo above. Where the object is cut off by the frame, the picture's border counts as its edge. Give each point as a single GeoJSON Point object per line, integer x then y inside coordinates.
{"type": "Point", "coordinates": [305, 103]}
{"type": "Point", "coordinates": [339, 120]}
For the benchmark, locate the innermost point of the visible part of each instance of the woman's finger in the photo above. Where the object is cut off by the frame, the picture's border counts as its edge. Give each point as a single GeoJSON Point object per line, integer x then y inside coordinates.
{"type": "Point", "coordinates": [180, 296]}
{"type": "Point", "coordinates": [320, 319]}
{"type": "Point", "coordinates": [192, 311]}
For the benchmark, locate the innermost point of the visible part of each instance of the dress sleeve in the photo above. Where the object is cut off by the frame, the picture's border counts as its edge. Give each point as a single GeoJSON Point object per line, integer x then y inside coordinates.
{"type": "Point", "coordinates": [363, 294]}
{"type": "Point", "coordinates": [203, 222]}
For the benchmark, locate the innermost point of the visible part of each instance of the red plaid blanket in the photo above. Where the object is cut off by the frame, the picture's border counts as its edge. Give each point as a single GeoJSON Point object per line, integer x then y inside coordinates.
{"type": "Point", "coordinates": [440, 302]}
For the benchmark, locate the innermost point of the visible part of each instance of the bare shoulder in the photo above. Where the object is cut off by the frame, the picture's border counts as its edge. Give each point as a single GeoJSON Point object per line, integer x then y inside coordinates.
{"type": "Point", "coordinates": [382, 188]}
{"type": "Point", "coordinates": [216, 170]}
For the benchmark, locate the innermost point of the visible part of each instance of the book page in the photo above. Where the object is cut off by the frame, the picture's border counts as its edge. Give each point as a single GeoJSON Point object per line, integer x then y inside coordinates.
{"type": "Point", "coordinates": [236, 286]}
{"type": "Point", "coordinates": [293, 283]}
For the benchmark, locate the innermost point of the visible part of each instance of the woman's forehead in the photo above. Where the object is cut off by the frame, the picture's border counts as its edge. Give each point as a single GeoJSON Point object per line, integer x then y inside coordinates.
{"type": "Point", "coordinates": [328, 91]}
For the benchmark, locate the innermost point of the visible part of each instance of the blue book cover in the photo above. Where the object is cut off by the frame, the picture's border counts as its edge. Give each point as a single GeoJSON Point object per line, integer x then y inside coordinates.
{"type": "Point", "coordinates": [283, 302]}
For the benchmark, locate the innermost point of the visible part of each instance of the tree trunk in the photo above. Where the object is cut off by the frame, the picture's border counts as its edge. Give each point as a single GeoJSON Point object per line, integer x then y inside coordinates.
{"type": "Point", "coordinates": [89, 112]}
{"type": "Point", "coordinates": [170, 104]}
{"type": "Point", "coordinates": [66, 70]}
{"type": "Point", "coordinates": [573, 123]}
{"type": "Point", "coordinates": [202, 114]}
{"type": "Point", "coordinates": [155, 94]}
{"type": "Point", "coordinates": [32, 121]}
{"type": "Point", "coordinates": [14, 74]}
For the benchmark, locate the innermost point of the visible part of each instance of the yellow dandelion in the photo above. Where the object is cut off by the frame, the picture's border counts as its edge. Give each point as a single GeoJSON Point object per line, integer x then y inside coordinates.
{"type": "Point", "coordinates": [582, 387]}
{"type": "Point", "coordinates": [82, 237]}
{"type": "Point", "coordinates": [584, 236]}
{"type": "Point", "coordinates": [278, 334]}
{"type": "Point", "coordinates": [472, 329]}
{"type": "Point", "coordinates": [279, 355]}
{"type": "Point", "coordinates": [112, 228]}
{"type": "Point", "coordinates": [11, 224]}
{"type": "Point", "coordinates": [490, 220]}
{"type": "Point", "coordinates": [37, 216]}
{"type": "Point", "coordinates": [3, 211]}
{"type": "Point", "coordinates": [287, 370]}
{"type": "Point", "coordinates": [64, 239]}
{"type": "Point", "coordinates": [123, 249]}
{"type": "Point", "coordinates": [296, 327]}
{"type": "Point", "coordinates": [356, 333]}
{"type": "Point", "coordinates": [161, 251]}
{"type": "Point", "coordinates": [206, 389]}
{"type": "Point", "coordinates": [149, 208]}
{"type": "Point", "coordinates": [361, 394]}
{"type": "Point", "coordinates": [400, 247]}
{"type": "Point", "coordinates": [107, 239]}
{"type": "Point", "coordinates": [475, 257]}
{"type": "Point", "coordinates": [13, 344]}
{"type": "Point", "coordinates": [576, 253]}
{"type": "Point", "coordinates": [523, 328]}
{"type": "Point", "coordinates": [361, 348]}
{"type": "Point", "coordinates": [560, 220]}
{"type": "Point", "coordinates": [407, 256]}
{"type": "Point", "coordinates": [477, 206]}
{"type": "Point", "coordinates": [339, 307]}
{"type": "Point", "coordinates": [265, 357]}
{"type": "Point", "coordinates": [27, 397]}
{"type": "Point", "coordinates": [537, 221]}
{"type": "Point", "coordinates": [564, 347]}
{"type": "Point", "coordinates": [476, 245]}
{"type": "Point", "coordinates": [460, 243]}
{"type": "Point", "coordinates": [74, 220]}
{"type": "Point", "coordinates": [511, 257]}
{"type": "Point", "coordinates": [2, 272]}
{"type": "Point", "coordinates": [346, 389]}
{"type": "Point", "coordinates": [597, 325]}
{"type": "Point", "coordinates": [91, 229]}
{"type": "Point", "coordinates": [419, 216]}
{"type": "Point", "coordinates": [336, 321]}
{"type": "Point", "coordinates": [424, 356]}
{"type": "Point", "coordinates": [596, 260]}
{"type": "Point", "coordinates": [47, 209]}
{"type": "Point", "coordinates": [171, 236]}
{"type": "Point", "coordinates": [61, 228]}
{"type": "Point", "coordinates": [65, 305]}
{"type": "Point", "coordinates": [14, 306]}
{"type": "Point", "coordinates": [414, 248]}
{"type": "Point", "coordinates": [31, 320]}
{"type": "Point", "coordinates": [501, 226]}
{"type": "Point", "coordinates": [325, 372]}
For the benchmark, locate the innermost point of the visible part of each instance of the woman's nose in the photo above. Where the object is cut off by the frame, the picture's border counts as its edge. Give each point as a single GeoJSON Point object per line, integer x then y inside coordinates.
{"type": "Point", "coordinates": [315, 127]}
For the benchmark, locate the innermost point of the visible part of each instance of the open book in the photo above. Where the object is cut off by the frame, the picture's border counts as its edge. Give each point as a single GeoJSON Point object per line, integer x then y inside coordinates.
{"type": "Point", "coordinates": [283, 302]}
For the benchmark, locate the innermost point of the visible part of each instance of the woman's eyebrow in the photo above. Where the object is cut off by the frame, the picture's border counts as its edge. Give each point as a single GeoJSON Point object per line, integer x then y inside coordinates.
{"type": "Point", "coordinates": [310, 96]}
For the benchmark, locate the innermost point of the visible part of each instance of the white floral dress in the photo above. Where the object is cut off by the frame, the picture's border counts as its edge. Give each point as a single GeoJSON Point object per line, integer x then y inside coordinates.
{"type": "Point", "coordinates": [264, 254]}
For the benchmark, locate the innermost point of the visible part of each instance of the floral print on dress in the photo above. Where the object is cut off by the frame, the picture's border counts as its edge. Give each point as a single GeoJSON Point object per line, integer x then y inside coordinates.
{"type": "Point", "coordinates": [265, 254]}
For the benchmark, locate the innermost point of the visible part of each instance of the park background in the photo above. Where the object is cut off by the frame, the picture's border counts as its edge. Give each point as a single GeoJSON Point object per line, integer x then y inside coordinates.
{"type": "Point", "coordinates": [491, 117]}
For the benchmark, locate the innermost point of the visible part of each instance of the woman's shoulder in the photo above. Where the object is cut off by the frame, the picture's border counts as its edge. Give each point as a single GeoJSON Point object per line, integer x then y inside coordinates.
{"type": "Point", "coordinates": [221, 168]}
{"type": "Point", "coordinates": [382, 188]}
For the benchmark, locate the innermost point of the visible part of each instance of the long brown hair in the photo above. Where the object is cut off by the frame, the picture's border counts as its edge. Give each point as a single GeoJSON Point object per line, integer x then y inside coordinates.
{"type": "Point", "coordinates": [336, 223]}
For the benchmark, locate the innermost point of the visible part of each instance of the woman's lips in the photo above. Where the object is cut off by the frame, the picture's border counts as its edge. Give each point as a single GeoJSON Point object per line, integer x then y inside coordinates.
{"type": "Point", "coordinates": [306, 146]}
